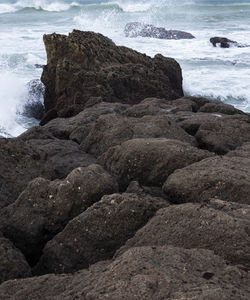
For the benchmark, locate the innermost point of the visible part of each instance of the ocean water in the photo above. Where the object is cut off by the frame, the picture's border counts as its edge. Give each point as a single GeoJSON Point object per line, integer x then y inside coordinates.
{"type": "Point", "coordinates": [207, 71]}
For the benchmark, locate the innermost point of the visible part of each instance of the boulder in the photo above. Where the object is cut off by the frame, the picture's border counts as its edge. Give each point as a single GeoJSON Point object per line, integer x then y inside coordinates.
{"type": "Point", "coordinates": [98, 232]}
{"type": "Point", "coordinates": [226, 43]}
{"type": "Point", "coordinates": [45, 207]}
{"type": "Point", "coordinates": [84, 66]}
{"type": "Point", "coordinates": [113, 129]}
{"type": "Point", "coordinates": [224, 134]}
{"type": "Point", "coordinates": [135, 29]}
{"type": "Point", "coordinates": [199, 226]}
{"type": "Point", "coordinates": [219, 108]}
{"type": "Point", "coordinates": [141, 273]}
{"type": "Point", "coordinates": [23, 160]}
{"type": "Point", "coordinates": [242, 151]}
{"type": "Point", "coordinates": [13, 264]}
{"type": "Point", "coordinates": [225, 178]}
{"type": "Point", "coordinates": [150, 161]}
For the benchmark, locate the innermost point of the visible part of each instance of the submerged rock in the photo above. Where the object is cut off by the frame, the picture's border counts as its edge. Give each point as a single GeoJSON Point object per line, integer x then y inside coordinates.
{"type": "Point", "coordinates": [86, 65]}
{"type": "Point", "coordinates": [226, 43]}
{"type": "Point", "coordinates": [135, 29]}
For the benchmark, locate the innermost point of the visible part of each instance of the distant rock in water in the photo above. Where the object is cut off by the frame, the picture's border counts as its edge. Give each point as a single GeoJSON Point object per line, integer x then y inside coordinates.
{"type": "Point", "coordinates": [85, 67]}
{"type": "Point", "coordinates": [33, 107]}
{"type": "Point", "coordinates": [226, 43]}
{"type": "Point", "coordinates": [135, 29]}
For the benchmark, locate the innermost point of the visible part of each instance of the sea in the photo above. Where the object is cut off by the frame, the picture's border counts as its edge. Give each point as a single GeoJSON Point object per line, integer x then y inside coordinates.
{"type": "Point", "coordinates": [216, 73]}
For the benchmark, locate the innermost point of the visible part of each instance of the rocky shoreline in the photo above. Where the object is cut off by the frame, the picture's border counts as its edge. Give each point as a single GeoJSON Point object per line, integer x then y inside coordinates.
{"type": "Point", "coordinates": [129, 190]}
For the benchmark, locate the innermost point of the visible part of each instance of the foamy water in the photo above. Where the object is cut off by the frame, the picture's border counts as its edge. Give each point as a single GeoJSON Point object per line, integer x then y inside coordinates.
{"type": "Point", "coordinates": [207, 71]}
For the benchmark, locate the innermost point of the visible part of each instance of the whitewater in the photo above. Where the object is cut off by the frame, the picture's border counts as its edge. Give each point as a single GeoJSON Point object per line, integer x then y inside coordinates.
{"type": "Point", "coordinates": [207, 71]}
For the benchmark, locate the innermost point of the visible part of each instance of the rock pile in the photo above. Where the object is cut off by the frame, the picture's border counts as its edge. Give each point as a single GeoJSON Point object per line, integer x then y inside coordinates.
{"type": "Point", "coordinates": [121, 201]}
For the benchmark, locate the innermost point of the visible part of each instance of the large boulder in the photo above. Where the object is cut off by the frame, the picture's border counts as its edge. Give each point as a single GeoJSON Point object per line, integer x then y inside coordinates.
{"type": "Point", "coordinates": [242, 151]}
{"type": "Point", "coordinates": [23, 160]}
{"type": "Point", "coordinates": [199, 226]}
{"type": "Point", "coordinates": [141, 273]}
{"type": "Point", "coordinates": [84, 66]}
{"type": "Point", "coordinates": [45, 207]}
{"type": "Point", "coordinates": [150, 161]}
{"type": "Point", "coordinates": [135, 29]}
{"type": "Point", "coordinates": [97, 233]}
{"type": "Point", "coordinates": [224, 134]}
{"type": "Point", "coordinates": [113, 129]}
{"type": "Point", "coordinates": [13, 264]}
{"type": "Point", "coordinates": [224, 42]}
{"type": "Point", "coordinates": [226, 178]}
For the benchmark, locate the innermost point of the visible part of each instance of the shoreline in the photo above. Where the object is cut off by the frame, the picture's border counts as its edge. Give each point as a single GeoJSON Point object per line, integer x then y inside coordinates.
{"type": "Point", "coordinates": [129, 189]}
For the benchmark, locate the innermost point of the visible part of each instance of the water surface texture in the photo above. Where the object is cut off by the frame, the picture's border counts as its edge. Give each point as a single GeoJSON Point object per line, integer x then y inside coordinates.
{"type": "Point", "coordinates": [212, 72]}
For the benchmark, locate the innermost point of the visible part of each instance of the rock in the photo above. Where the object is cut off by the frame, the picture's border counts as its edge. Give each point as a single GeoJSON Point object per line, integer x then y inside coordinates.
{"type": "Point", "coordinates": [219, 108]}
{"type": "Point", "coordinates": [97, 233]}
{"type": "Point", "coordinates": [242, 151]}
{"type": "Point", "coordinates": [135, 29]}
{"type": "Point", "coordinates": [225, 178]}
{"type": "Point", "coordinates": [85, 66]}
{"type": "Point", "coordinates": [13, 264]}
{"type": "Point", "coordinates": [141, 273]}
{"type": "Point", "coordinates": [150, 161]}
{"type": "Point", "coordinates": [33, 106]}
{"type": "Point", "coordinates": [113, 129]}
{"type": "Point", "coordinates": [21, 161]}
{"type": "Point", "coordinates": [224, 134]}
{"type": "Point", "coordinates": [200, 227]}
{"type": "Point", "coordinates": [226, 43]}
{"type": "Point", "coordinates": [45, 207]}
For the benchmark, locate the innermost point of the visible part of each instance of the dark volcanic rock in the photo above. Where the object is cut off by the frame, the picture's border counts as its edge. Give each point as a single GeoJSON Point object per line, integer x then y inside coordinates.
{"type": "Point", "coordinates": [135, 29]}
{"type": "Point", "coordinates": [97, 233]}
{"type": "Point", "coordinates": [198, 226]}
{"type": "Point", "coordinates": [224, 134]}
{"type": "Point", "coordinates": [21, 161]}
{"type": "Point", "coordinates": [45, 207]}
{"type": "Point", "coordinates": [86, 65]}
{"type": "Point", "coordinates": [226, 43]}
{"type": "Point", "coordinates": [226, 178]}
{"type": "Point", "coordinates": [33, 106]}
{"type": "Point", "coordinates": [141, 273]}
{"type": "Point", "coordinates": [150, 161]}
{"type": "Point", "coordinates": [242, 151]}
{"type": "Point", "coordinates": [113, 129]}
{"type": "Point", "coordinates": [13, 264]}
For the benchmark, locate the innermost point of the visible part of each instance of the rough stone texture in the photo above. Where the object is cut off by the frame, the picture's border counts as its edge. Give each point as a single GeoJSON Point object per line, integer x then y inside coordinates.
{"type": "Point", "coordinates": [224, 134]}
{"type": "Point", "coordinates": [135, 29]}
{"type": "Point", "coordinates": [150, 161]}
{"type": "Point", "coordinates": [13, 264]}
{"type": "Point", "coordinates": [226, 178]}
{"type": "Point", "coordinates": [86, 65]}
{"type": "Point", "coordinates": [98, 232]}
{"type": "Point", "coordinates": [111, 130]}
{"type": "Point", "coordinates": [220, 108]}
{"type": "Point", "coordinates": [242, 151]}
{"type": "Point", "coordinates": [196, 226]}
{"type": "Point", "coordinates": [21, 161]}
{"type": "Point", "coordinates": [141, 273]}
{"type": "Point", "coordinates": [44, 208]}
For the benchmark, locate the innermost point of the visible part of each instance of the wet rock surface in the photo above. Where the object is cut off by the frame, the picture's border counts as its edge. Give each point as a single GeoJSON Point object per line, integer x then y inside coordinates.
{"type": "Point", "coordinates": [135, 29]}
{"type": "Point", "coordinates": [224, 42]}
{"type": "Point", "coordinates": [94, 191]}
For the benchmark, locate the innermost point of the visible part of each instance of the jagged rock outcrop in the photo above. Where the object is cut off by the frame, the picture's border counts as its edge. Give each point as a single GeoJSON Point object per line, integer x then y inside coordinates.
{"type": "Point", "coordinates": [135, 29]}
{"type": "Point", "coordinates": [85, 66]}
